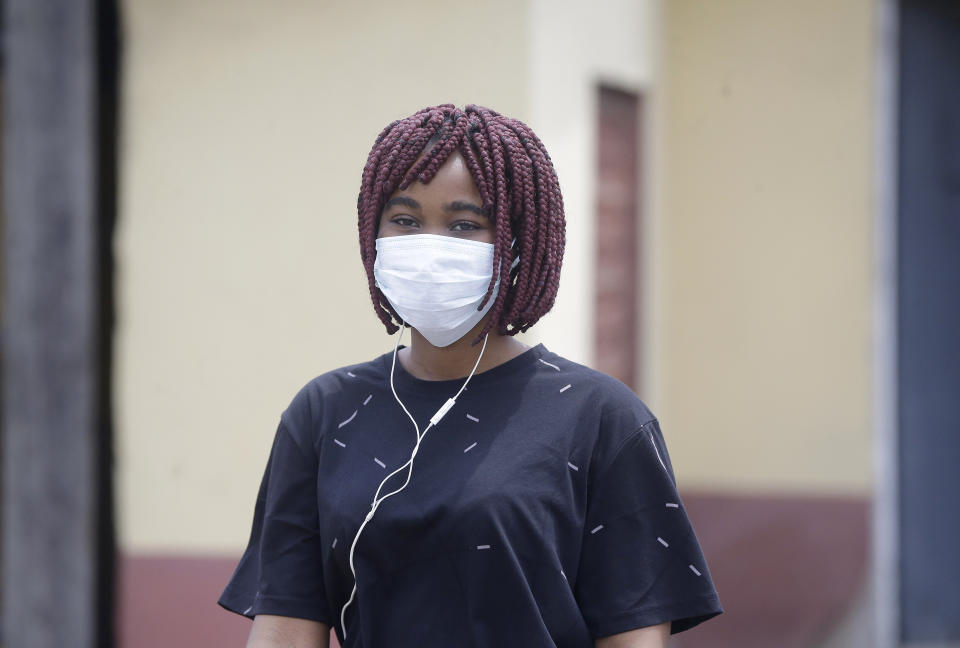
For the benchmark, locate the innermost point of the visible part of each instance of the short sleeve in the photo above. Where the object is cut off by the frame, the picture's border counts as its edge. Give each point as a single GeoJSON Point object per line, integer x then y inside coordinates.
{"type": "Point", "coordinates": [641, 563]}
{"type": "Point", "coordinates": [281, 571]}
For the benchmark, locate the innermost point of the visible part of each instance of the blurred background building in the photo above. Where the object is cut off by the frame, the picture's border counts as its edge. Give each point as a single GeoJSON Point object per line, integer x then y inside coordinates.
{"type": "Point", "coordinates": [763, 240]}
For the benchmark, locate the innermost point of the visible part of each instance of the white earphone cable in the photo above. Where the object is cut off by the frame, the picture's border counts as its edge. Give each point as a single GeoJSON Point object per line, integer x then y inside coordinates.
{"type": "Point", "coordinates": [377, 499]}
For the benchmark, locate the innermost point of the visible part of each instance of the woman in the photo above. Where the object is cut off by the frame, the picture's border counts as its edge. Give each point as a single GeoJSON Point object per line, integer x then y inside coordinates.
{"type": "Point", "coordinates": [467, 490]}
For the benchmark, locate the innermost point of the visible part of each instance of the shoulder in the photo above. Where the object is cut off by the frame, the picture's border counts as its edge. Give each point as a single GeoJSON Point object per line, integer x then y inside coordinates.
{"type": "Point", "coordinates": [611, 398]}
{"type": "Point", "coordinates": [614, 412]}
{"type": "Point", "coordinates": [316, 400]}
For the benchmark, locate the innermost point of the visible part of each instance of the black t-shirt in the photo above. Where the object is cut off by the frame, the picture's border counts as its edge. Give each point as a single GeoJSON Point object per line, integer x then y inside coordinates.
{"type": "Point", "coordinates": [542, 511]}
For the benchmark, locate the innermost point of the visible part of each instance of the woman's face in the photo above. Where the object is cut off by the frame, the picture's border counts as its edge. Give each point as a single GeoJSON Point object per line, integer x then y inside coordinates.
{"type": "Point", "coordinates": [450, 205]}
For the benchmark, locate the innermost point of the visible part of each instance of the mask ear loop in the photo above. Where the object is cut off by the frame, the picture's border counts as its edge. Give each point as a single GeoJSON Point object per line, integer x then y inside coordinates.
{"type": "Point", "coordinates": [377, 499]}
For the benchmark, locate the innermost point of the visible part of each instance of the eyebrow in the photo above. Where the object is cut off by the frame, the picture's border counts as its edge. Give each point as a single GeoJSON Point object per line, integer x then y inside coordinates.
{"type": "Point", "coordinates": [402, 200]}
{"type": "Point", "coordinates": [463, 205]}
{"type": "Point", "coordinates": [455, 206]}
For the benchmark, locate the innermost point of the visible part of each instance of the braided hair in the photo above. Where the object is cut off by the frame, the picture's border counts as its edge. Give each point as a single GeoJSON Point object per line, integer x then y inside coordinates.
{"type": "Point", "coordinates": [517, 182]}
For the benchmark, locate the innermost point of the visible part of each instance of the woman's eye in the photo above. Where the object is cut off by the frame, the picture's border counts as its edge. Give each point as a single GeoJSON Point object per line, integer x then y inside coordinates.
{"type": "Point", "coordinates": [464, 226]}
{"type": "Point", "coordinates": [403, 221]}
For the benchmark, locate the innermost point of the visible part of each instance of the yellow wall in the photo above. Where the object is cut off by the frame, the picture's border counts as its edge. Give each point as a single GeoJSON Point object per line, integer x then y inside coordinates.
{"type": "Point", "coordinates": [763, 225]}
{"type": "Point", "coordinates": [246, 124]}
{"type": "Point", "coordinates": [245, 128]}
{"type": "Point", "coordinates": [574, 46]}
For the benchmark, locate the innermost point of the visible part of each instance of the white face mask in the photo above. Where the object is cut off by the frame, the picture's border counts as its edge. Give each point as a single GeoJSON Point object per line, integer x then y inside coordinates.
{"type": "Point", "coordinates": [435, 283]}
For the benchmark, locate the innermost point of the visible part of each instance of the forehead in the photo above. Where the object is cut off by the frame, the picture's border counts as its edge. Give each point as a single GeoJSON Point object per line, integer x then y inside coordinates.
{"type": "Point", "coordinates": [452, 181]}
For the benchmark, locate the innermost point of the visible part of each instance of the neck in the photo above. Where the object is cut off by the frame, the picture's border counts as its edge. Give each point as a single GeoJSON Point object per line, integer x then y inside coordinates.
{"type": "Point", "coordinates": [427, 362]}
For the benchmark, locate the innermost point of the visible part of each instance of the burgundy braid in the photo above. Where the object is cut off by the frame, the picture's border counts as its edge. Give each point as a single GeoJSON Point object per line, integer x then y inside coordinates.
{"type": "Point", "coordinates": [519, 188]}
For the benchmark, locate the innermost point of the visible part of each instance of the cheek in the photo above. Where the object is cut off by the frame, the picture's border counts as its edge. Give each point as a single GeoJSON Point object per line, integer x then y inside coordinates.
{"type": "Point", "coordinates": [488, 235]}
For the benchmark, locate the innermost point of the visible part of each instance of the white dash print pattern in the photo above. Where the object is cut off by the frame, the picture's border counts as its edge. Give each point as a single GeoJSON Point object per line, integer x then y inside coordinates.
{"type": "Point", "coordinates": [549, 364]}
{"type": "Point", "coordinates": [556, 472]}
{"type": "Point", "coordinates": [654, 443]}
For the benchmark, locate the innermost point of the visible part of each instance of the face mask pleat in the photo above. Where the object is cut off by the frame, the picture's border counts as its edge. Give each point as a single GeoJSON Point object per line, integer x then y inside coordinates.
{"type": "Point", "coordinates": [431, 277]}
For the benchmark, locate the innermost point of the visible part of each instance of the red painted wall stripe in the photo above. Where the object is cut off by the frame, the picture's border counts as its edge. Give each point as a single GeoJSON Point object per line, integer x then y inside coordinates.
{"type": "Point", "coordinates": [787, 569]}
